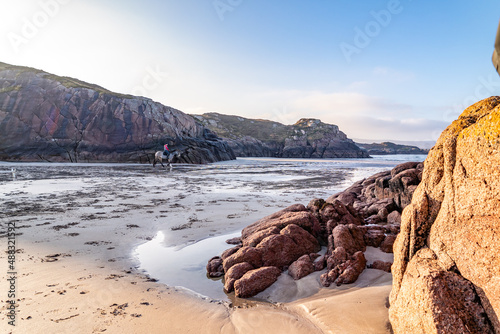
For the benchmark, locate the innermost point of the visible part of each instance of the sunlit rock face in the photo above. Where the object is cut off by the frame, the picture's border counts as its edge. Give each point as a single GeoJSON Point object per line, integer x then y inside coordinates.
{"type": "Point", "coordinates": [446, 271]}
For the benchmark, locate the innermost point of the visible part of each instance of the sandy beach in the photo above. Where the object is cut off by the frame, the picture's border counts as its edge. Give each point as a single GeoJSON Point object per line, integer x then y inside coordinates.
{"type": "Point", "coordinates": [78, 226]}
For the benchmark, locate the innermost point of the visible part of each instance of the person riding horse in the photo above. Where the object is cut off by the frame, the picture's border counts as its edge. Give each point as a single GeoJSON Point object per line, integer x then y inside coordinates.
{"type": "Point", "coordinates": [166, 151]}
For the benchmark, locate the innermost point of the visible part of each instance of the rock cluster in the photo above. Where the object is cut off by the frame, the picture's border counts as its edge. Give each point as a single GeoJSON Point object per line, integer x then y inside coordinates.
{"type": "Point", "coordinates": [366, 214]}
{"type": "Point", "coordinates": [46, 117]}
{"type": "Point", "coordinates": [446, 271]}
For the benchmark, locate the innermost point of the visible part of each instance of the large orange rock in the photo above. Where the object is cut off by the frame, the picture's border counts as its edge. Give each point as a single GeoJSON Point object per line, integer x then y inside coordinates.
{"type": "Point", "coordinates": [455, 213]}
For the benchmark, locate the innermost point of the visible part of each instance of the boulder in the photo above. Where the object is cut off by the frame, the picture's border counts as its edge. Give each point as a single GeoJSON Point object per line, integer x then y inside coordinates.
{"type": "Point", "coordinates": [434, 300]}
{"type": "Point", "coordinates": [381, 265]}
{"type": "Point", "coordinates": [244, 254]}
{"type": "Point", "coordinates": [353, 268]}
{"type": "Point", "coordinates": [301, 268]}
{"type": "Point", "coordinates": [278, 250]}
{"type": "Point", "coordinates": [214, 267]}
{"type": "Point", "coordinates": [338, 256]}
{"type": "Point", "coordinates": [387, 244]}
{"type": "Point", "coordinates": [255, 281]}
{"type": "Point", "coordinates": [235, 273]}
{"type": "Point", "coordinates": [455, 213]}
{"type": "Point", "coordinates": [350, 237]}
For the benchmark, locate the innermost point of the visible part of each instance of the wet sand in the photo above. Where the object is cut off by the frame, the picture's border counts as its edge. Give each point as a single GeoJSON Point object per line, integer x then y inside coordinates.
{"type": "Point", "coordinates": [78, 226]}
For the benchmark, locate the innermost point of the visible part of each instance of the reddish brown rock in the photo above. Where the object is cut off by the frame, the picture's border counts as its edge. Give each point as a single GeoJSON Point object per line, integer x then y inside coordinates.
{"type": "Point", "coordinates": [234, 241]}
{"type": "Point", "coordinates": [214, 267]}
{"type": "Point", "coordinates": [228, 252]}
{"type": "Point", "coordinates": [381, 265]}
{"type": "Point", "coordinates": [292, 214]}
{"type": "Point", "coordinates": [255, 281]}
{"type": "Point", "coordinates": [387, 244]}
{"type": "Point", "coordinates": [455, 213]}
{"type": "Point", "coordinates": [301, 268]}
{"type": "Point", "coordinates": [338, 256]}
{"type": "Point", "coordinates": [320, 263]}
{"type": "Point", "coordinates": [374, 237]}
{"type": "Point", "coordinates": [244, 254]}
{"type": "Point", "coordinates": [278, 250]}
{"type": "Point", "coordinates": [254, 239]}
{"type": "Point", "coordinates": [394, 218]}
{"type": "Point", "coordinates": [235, 273]}
{"type": "Point", "coordinates": [350, 237]}
{"type": "Point", "coordinates": [306, 243]}
{"type": "Point", "coordinates": [353, 268]}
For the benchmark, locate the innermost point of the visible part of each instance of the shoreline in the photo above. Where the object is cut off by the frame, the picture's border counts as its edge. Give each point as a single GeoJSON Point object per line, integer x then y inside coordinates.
{"type": "Point", "coordinates": [94, 284]}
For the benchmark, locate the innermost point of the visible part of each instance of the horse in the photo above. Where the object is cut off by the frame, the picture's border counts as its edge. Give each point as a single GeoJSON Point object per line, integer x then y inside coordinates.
{"type": "Point", "coordinates": [159, 158]}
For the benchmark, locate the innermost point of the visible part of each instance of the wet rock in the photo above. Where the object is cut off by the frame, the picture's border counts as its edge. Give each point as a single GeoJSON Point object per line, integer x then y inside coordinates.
{"type": "Point", "coordinates": [234, 241]}
{"type": "Point", "coordinates": [255, 281]}
{"type": "Point", "coordinates": [214, 267]}
{"type": "Point", "coordinates": [235, 273]}
{"type": "Point", "coordinates": [320, 263]}
{"type": "Point", "coordinates": [374, 237]}
{"type": "Point", "coordinates": [301, 268]}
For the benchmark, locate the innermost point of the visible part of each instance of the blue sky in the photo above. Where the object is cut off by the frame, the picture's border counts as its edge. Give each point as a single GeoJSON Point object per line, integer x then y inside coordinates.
{"type": "Point", "coordinates": [381, 70]}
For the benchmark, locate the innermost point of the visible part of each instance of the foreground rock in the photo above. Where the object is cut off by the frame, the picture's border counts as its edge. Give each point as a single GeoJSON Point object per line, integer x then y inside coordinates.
{"type": "Point", "coordinates": [346, 223]}
{"type": "Point", "coordinates": [447, 257]}
{"type": "Point", "coordinates": [51, 118]}
{"type": "Point", "coordinates": [255, 281]}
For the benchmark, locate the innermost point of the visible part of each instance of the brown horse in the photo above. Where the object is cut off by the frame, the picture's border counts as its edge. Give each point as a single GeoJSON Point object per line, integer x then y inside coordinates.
{"type": "Point", "coordinates": [159, 158]}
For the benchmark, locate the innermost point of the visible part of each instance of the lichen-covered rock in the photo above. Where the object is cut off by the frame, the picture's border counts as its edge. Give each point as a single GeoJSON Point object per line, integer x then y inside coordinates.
{"type": "Point", "coordinates": [455, 213]}
{"type": "Point", "coordinates": [255, 281]}
{"type": "Point", "coordinates": [434, 300]}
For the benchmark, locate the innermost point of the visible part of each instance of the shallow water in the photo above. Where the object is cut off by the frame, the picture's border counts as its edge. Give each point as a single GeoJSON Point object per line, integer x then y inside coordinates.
{"type": "Point", "coordinates": [304, 179]}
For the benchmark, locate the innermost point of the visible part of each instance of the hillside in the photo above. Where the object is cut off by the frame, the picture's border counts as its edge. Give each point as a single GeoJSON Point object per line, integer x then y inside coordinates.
{"type": "Point", "coordinates": [391, 148]}
{"type": "Point", "coordinates": [51, 118]}
{"type": "Point", "coordinates": [308, 138]}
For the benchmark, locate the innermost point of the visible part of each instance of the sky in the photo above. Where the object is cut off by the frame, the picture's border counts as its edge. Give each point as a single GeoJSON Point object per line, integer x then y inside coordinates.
{"type": "Point", "coordinates": [397, 70]}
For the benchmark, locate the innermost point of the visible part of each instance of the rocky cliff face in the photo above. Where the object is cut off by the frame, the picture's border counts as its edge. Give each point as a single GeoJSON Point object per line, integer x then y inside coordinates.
{"type": "Point", "coordinates": [391, 148]}
{"type": "Point", "coordinates": [46, 117]}
{"type": "Point", "coordinates": [308, 138]}
{"type": "Point", "coordinates": [446, 272]}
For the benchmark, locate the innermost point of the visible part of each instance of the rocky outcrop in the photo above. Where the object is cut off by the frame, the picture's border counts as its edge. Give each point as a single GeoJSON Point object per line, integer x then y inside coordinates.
{"type": "Point", "coordinates": [346, 223]}
{"type": "Point", "coordinates": [447, 257]}
{"type": "Point", "coordinates": [391, 148]}
{"type": "Point", "coordinates": [308, 138]}
{"type": "Point", "coordinates": [46, 117]}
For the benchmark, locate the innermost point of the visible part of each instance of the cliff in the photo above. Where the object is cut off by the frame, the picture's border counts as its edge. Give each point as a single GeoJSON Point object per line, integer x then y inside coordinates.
{"type": "Point", "coordinates": [47, 117]}
{"type": "Point", "coordinates": [308, 138]}
{"type": "Point", "coordinates": [391, 148]}
{"type": "Point", "coordinates": [446, 271]}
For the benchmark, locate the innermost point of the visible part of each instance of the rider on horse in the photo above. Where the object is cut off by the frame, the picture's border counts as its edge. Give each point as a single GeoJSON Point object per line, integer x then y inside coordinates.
{"type": "Point", "coordinates": [166, 151]}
